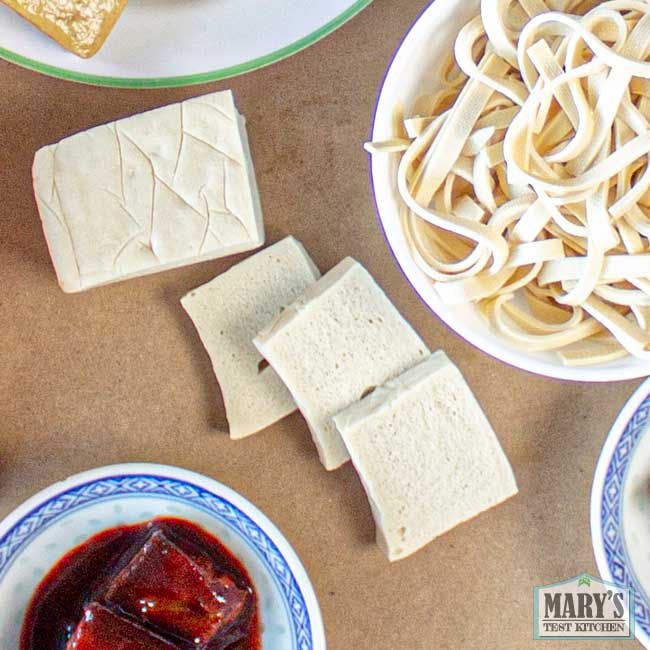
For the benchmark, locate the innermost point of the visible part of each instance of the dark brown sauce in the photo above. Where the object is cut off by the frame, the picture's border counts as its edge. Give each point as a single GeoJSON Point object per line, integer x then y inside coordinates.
{"type": "Point", "coordinates": [59, 601]}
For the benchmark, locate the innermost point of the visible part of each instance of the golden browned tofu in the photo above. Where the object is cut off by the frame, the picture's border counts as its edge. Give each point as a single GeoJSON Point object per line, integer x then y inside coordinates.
{"type": "Point", "coordinates": [80, 26]}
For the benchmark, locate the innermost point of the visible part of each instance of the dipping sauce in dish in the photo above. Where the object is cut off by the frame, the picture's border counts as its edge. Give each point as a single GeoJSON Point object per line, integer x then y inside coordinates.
{"type": "Point", "coordinates": [165, 584]}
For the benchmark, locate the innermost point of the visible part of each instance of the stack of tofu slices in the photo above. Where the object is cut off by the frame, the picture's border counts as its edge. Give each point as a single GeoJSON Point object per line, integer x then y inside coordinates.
{"type": "Point", "coordinates": [176, 186]}
{"type": "Point", "coordinates": [370, 390]}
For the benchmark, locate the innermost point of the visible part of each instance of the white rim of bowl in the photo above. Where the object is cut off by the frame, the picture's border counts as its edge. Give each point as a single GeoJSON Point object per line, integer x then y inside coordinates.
{"type": "Point", "coordinates": [421, 284]}
{"type": "Point", "coordinates": [596, 499]}
{"type": "Point", "coordinates": [207, 483]}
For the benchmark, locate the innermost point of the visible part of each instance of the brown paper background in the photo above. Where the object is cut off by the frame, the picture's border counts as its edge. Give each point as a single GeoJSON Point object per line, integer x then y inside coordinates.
{"type": "Point", "coordinates": [118, 374]}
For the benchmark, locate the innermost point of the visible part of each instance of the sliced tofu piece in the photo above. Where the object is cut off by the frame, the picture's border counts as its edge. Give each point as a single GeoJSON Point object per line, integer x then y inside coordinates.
{"type": "Point", "coordinates": [101, 629]}
{"type": "Point", "coordinates": [338, 341]}
{"type": "Point", "coordinates": [155, 191]}
{"type": "Point", "coordinates": [163, 587]}
{"type": "Point", "coordinates": [229, 311]}
{"type": "Point", "coordinates": [426, 454]}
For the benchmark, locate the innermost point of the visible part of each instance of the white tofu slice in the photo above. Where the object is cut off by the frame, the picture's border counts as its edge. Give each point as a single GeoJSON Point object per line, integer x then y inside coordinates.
{"type": "Point", "coordinates": [155, 191]}
{"type": "Point", "coordinates": [339, 340]}
{"type": "Point", "coordinates": [229, 311]}
{"type": "Point", "coordinates": [426, 454]}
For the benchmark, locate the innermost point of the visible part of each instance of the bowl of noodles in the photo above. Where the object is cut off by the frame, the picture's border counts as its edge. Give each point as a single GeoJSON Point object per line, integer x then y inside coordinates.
{"type": "Point", "coordinates": [510, 163]}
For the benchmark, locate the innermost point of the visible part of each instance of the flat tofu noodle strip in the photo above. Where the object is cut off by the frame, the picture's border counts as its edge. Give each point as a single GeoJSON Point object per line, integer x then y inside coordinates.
{"type": "Point", "coordinates": [630, 336]}
{"type": "Point", "coordinates": [481, 234]}
{"type": "Point", "coordinates": [415, 126]}
{"type": "Point", "coordinates": [563, 25]}
{"type": "Point", "coordinates": [422, 145]}
{"type": "Point", "coordinates": [560, 125]}
{"type": "Point", "coordinates": [533, 7]}
{"type": "Point", "coordinates": [599, 173]}
{"type": "Point", "coordinates": [464, 266]}
{"type": "Point", "coordinates": [499, 119]}
{"type": "Point", "coordinates": [463, 50]}
{"type": "Point", "coordinates": [501, 38]}
{"type": "Point", "coordinates": [494, 154]}
{"type": "Point", "coordinates": [478, 141]}
{"type": "Point", "coordinates": [630, 238]}
{"type": "Point", "coordinates": [600, 239]}
{"type": "Point", "coordinates": [627, 297]}
{"type": "Point", "coordinates": [628, 196]}
{"type": "Point", "coordinates": [616, 85]}
{"type": "Point", "coordinates": [455, 131]}
{"type": "Point", "coordinates": [548, 68]}
{"type": "Point", "coordinates": [616, 268]}
{"type": "Point", "coordinates": [640, 87]}
{"type": "Point", "coordinates": [467, 208]}
{"type": "Point", "coordinates": [589, 352]}
{"type": "Point", "coordinates": [390, 146]}
{"type": "Point", "coordinates": [457, 292]}
{"type": "Point", "coordinates": [493, 14]}
{"type": "Point", "coordinates": [572, 99]}
{"type": "Point", "coordinates": [532, 222]}
{"type": "Point", "coordinates": [541, 310]}
{"type": "Point", "coordinates": [482, 180]}
{"type": "Point", "coordinates": [638, 220]}
{"type": "Point", "coordinates": [633, 196]}
{"type": "Point", "coordinates": [527, 175]}
{"type": "Point", "coordinates": [499, 313]}
{"type": "Point", "coordinates": [642, 315]}
{"type": "Point", "coordinates": [484, 285]}
{"type": "Point", "coordinates": [429, 268]}
{"type": "Point", "coordinates": [571, 229]}
{"type": "Point", "coordinates": [535, 251]}
{"type": "Point", "coordinates": [634, 67]}
{"type": "Point", "coordinates": [514, 144]}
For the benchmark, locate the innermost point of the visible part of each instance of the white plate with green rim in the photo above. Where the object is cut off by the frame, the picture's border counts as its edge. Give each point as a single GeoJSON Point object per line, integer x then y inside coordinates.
{"type": "Point", "coordinates": [162, 43]}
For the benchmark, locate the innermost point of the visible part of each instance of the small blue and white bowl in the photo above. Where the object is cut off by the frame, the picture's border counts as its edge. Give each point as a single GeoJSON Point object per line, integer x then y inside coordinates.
{"type": "Point", "coordinates": [620, 506]}
{"type": "Point", "coordinates": [41, 531]}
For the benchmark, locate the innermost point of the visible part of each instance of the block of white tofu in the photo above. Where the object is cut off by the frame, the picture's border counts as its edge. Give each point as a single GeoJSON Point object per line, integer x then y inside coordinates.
{"type": "Point", "coordinates": [426, 455]}
{"type": "Point", "coordinates": [229, 311]}
{"type": "Point", "coordinates": [339, 340]}
{"type": "Point", "coordinates": [155, 191]}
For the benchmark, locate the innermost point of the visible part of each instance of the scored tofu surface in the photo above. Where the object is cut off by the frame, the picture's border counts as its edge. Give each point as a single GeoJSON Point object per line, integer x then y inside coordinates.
{"type": "Point", "coordinates": [161, 189]}
{"type": "Point", "coordinates": [101, 629]}
{"type": "Point", "coordinates": [229, 311]}
{"type": "Point", "coordinates": [342, 338]}
{"type": "Point", "coordinates": [426, 454]}
{"type": "Point", "coordinates": [162, 586]}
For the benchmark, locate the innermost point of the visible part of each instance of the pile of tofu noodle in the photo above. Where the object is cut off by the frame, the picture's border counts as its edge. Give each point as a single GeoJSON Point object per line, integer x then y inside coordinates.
{"type": "Point", "coordinates": [526, 185]}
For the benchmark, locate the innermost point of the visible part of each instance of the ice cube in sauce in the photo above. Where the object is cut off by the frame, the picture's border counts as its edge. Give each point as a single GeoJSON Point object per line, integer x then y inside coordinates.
{"type": "Point", "coordinates": [178, 595]}
{"type": "Point", "coordinates": [101, 629]}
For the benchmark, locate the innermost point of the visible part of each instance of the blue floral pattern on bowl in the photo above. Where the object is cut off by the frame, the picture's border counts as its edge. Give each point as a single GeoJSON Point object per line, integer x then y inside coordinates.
{"type": "Point", "coordinates": [177, 495]}
{"type": "Point", "coordinates": [610, 496]}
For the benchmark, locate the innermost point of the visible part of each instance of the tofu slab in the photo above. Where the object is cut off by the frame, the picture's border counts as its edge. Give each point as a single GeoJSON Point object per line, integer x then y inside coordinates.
{"type": "Point", "coordinates": [426, 454]}
{"type": "Point", "coordinates": [340, 339]}
{"type": "Point", "coordinates": [230, 310]}
{"type": "Point", "coordinates": [155, 191]}
{"type": "Point", "coordinates": [102, 629]}
{"type": "Point", "coordinates": [163, 587]}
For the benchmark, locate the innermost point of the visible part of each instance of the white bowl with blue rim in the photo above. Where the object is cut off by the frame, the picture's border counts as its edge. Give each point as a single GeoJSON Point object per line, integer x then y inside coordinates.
{"type": "Point", "coordinates": [414, 73]}
{"type": "Point", "coordinates": [40, 532]}
{"type": "Point", "coordinates": [620, 506]}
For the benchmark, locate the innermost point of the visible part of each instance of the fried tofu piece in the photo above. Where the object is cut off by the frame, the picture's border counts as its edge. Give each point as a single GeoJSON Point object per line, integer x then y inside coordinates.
{"type": "Point", "coordinates": [81, 26]}
{"type": "Point", "coordinates": [101, 629]}
{"type": "Point", "coordinates": [187, 598]}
